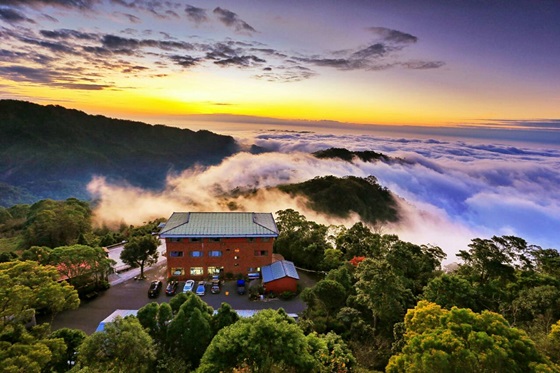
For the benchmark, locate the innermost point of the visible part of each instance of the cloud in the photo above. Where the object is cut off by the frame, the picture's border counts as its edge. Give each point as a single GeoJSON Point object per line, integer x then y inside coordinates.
{"type": "Point", "coordinates": [230, 19]}
{"type": "Point", "coordinates": [69, 4]}
{"type": "Point", "coordinates": [196, 15]}
{"type": "Point", "coordinates": [13, 16]}
{"type": "Point", "coordinates": [393, 36]}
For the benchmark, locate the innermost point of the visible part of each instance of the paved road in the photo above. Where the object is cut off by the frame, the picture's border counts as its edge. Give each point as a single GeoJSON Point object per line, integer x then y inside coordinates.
{"type": "Point", "coordinates": [133, 294]}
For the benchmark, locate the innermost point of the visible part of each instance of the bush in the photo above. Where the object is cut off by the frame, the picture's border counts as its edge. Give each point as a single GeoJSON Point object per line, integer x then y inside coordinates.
{"type": "Point", "coordinates": [287, 295]}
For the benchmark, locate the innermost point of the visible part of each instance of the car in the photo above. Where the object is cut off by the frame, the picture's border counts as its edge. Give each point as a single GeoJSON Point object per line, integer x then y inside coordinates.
{"type": "Point", "coordinates": [240, 286]}
{"type": "Point", "coordinates": [215, 289]}
{"type": "Point", "coordinates": [155, 288]}
{"type": "Point", "coordinates": [200, 289]}
{"type": "Point", "coordinates": [171, 288]}
{"type": "Point", "coordinates": [189, 286]}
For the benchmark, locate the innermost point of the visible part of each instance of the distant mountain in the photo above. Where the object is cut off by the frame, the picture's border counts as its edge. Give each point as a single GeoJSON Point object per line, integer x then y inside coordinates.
{"type": "Point", "coordinates": [52, 152]}
{"type": "Point", "coordinates": [341, 196]}
{"type": "Point", "coordinates": [348, 155]}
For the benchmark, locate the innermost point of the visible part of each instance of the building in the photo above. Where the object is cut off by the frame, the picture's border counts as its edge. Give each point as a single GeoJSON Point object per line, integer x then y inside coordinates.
{"type": "Point", "coordinates": [279, 277]}
{"type": "Point", "coordinates": [200, 244]}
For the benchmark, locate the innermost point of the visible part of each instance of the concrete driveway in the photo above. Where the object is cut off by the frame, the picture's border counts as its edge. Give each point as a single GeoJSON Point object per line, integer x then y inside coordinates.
{"type": "Point", "coordinates": [133, 294]}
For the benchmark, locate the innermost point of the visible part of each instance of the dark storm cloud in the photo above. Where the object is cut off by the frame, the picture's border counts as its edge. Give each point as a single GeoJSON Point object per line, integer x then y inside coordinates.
{"type": "Point", "coordinates": [393, 36]}
{"type": "Point", "coordinates": [230, 19]}
{"type": "Point", "coordinates": [197, 15]}
{"type": "Point", "coordinates": [13, 16]}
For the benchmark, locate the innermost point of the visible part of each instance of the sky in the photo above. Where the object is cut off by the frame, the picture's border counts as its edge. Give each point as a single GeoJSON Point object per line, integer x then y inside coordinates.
{"type": "Point", "coordinates": [468, 92]}
{"type": "Point", "coordinates": [427, 62]}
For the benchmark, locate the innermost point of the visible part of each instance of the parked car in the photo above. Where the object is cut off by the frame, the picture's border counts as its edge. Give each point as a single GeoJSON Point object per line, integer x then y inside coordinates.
{"type": "Point", "coordinates": [201, 288]}
{"type": "Point", "coordinates": [155, 288]}
{"type": "Point", "coordinates": [189, 286]}
{"type": "Point", "coordinates": [215, 289]}
{"type": "Point", "coordinates": [240, 286]}
{"type": "Point", "coordinates": [171, 288]}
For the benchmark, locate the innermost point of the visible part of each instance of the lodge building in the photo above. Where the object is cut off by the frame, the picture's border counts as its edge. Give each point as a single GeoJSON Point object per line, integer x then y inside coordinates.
{"type": "Point", "coordinates": [201, 244]}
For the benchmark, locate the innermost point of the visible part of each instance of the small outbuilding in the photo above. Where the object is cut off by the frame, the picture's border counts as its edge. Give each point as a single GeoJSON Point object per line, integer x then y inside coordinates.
{"type": "Point", "coordinates": [279, 277]}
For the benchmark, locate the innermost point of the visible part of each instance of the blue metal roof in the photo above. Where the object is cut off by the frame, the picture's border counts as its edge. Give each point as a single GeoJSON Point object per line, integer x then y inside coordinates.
{"type": "Point", "coordinates": [219, 224]}
{"type": "Point", "coordinates": [279, 269]}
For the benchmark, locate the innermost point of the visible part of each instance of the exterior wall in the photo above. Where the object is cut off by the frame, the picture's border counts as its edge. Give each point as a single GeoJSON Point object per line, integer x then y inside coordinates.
{"type": "Point", "coordinates": [237, 255]}
{"type": "Point", "coordinates": [281, 285]}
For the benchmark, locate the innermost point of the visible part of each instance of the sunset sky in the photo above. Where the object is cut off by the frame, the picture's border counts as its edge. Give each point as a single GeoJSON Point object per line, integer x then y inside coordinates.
{"type": "Point", "coordinates": [372, 62]}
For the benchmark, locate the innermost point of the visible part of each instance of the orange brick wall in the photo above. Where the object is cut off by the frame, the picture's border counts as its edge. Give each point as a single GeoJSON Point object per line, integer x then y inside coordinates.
{"type": "Point", "coordinates": [242, 248]}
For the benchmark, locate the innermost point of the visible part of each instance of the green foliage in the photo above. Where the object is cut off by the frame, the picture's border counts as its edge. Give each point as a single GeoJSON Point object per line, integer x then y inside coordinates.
{"type": "Point", "coordinates": [190, 331]}
{"type": "Point", "coordinates": [266, 342]}
{"type": "Point", "coordinates": [53, 152]}
{"type": "Point", "coordinates": [57, 223]}
{"type": "Point", "coordinates": [73, 339]}
{"type": "Point", "coordinates": [23, 350]}
{"type": "Point", "coordinates": [28, 286]}
{"type": "Point", "coordinates": [123, 346]}
{"type": "Point", "coordinates": [225, 316]}
{"type": "Point", "coordinates": [459, 340]}
{"type": "Point", "coordinates": [140, 251]}
{"type": "Point", "coordinates": [452, 290]}
{"type": "Point", "coordinates": [81, 265]}
{"type": "Point", "coordinates": [300, 240]}
{"type": "Point", "coordinates": [365, 197]}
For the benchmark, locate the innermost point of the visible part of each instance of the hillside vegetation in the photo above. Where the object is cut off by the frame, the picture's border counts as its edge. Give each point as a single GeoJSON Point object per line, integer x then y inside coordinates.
{"type": "Point", "coordinates": [341, 196]}
{"type": "Point", "coordinates": [52, 152]}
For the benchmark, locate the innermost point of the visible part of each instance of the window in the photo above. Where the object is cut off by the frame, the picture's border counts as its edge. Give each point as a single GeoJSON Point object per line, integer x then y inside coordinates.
{"type": "Point", "coordinates": [197, 271]}
{"type": "Point", "coordinates": [176, 239]}
{"type": "Point", "coordinates": [176, 254]}
{"type": "Point", "coordinates": [261, 252]}
{"type": "Point", "coordinates": [194, 239]}
{"type": "Point", "coordinates": [236, 257]}
{"type": "Point", "coordinates": [215, 253]}
{"type": "Point", "coordinates": [178, 271]}
{"type": "Point", "coordinates": [265, 239]}
{"type": "Point", "coordinates": [250, 239]}
{"type": "Point", "coordinates": [215, 239]}
{"type": "Point", "coordinates": [196, 254]}
{"type": "Point", "coordinates": [215, 270]}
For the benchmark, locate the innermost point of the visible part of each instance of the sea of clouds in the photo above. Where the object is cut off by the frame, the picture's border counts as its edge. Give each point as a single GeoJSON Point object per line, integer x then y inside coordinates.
{"type": "Point", "coordinates": [450, 190]}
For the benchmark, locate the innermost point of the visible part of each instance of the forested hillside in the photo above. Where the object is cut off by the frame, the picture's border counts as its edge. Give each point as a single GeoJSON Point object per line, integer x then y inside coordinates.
{"type": "Point", "coordinates": [52, 152]}
{"type": "Point", "coordinates": [341, 196]}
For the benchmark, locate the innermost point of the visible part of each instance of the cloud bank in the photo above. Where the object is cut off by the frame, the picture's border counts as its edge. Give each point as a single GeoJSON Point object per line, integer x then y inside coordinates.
{"type": "Point", "coordinates": [449, 191]}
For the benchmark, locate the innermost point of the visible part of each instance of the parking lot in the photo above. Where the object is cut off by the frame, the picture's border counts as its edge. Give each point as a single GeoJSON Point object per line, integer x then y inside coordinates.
{"type": "Point", "coordinates": [133, 294]}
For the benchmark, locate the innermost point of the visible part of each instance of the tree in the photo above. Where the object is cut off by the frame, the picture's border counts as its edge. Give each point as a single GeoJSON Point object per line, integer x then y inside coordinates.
{"type": "Point", "coordinates": [266, 342]}
{"type": "Point", "coordinates": [460, 340]}
{"type": "Point", "coordinates": [123, 346]}
{"type": "Point", "coordinates": [190, 331]}
{"type": "Point", "coordinates": [24, 288]}
{"type": "Point", "coordinates": [140, 251]}
{"type": "Point", "coordinates": [28, 286]}
{"type": "Point", "coordinates": [331, 353]}
{"type": "Point", "coordinates": [57, 223]}
{"type": "Point", "coordinates": [81, 264]}
{"type": "Point", "coordinates": [382, 291]}
{"type": "Point", "coordinates": [451, 290]}
{"type": "Point", "coordinates": [28, 350]}
{"type": "Point", "coordinates": [225, 316]}
{"type": "Point", "coordinates": [73, 339]}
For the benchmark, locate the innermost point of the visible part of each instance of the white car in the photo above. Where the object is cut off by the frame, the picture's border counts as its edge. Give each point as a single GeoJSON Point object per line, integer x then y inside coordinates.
{"type": "Point", "coordinates": [189, 286]}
